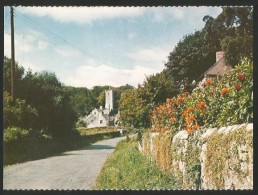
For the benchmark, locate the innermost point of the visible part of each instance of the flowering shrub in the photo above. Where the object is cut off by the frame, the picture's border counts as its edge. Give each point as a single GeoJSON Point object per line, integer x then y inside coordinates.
{"type": "Point", "coordinates": [219, 102]}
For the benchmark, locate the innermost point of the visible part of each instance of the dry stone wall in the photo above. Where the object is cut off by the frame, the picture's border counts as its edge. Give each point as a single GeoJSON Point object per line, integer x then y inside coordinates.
{"type": "Point", "coordinates": [215, 158]}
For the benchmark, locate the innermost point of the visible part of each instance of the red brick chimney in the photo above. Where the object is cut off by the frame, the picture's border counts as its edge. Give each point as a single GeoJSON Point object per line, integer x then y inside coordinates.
{"type": "Point", "coordinates": [219, 55]}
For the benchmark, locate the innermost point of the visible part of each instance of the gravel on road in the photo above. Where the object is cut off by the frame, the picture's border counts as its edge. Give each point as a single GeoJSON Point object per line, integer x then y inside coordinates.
{"type": "Point", "coordinates": [76, 169]}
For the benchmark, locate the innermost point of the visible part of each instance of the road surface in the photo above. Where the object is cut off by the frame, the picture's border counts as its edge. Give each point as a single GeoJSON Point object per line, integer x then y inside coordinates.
{"type": "Point", "coordinates": [76, 169]}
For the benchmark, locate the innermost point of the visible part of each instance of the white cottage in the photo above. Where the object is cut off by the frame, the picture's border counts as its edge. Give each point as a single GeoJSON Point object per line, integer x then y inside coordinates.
{"type": "Point", "coordinates": [99, 117]}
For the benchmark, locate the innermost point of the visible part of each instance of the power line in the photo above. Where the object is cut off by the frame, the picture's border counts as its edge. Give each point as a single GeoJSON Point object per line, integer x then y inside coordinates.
{"type": "Point", "coordinates": [50, 34]}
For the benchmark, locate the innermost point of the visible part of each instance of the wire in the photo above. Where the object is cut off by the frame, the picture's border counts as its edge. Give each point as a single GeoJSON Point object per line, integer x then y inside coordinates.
{"type": "Point", "coordinates": [60, 40]}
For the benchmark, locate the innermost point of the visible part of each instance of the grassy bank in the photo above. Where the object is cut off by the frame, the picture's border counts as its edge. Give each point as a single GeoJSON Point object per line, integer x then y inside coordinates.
{"type": "Point", "coordinates": [97, 130]}
{"type": "Point", "coordinates": [37, 148]}
{"type": "Point", "coordinates": [127, 168]}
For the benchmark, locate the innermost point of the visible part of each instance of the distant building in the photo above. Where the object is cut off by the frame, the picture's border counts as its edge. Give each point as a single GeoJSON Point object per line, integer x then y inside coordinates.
{"type": "Point", "coordinates": [109, 100]}
{"type": "Point", "coordinates": [99, 117]}
{"type": "Point", "coordinates": [217, 69]}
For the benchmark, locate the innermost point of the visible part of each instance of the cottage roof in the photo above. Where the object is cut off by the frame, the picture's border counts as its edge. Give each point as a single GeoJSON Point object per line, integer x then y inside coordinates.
{"type": "Point", "coordinates": [219, 68]}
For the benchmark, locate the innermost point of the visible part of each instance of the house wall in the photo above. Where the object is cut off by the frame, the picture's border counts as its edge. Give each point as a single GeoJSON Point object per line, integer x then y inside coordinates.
{"type": "Point", "coordinates": [96, 122]}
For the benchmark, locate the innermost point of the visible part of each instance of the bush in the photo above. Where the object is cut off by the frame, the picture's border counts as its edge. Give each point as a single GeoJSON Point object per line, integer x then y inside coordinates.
{"type": "Point", "coordinates": [219, 102]}
{"type": "Point", "coordinates": [13, 134]}
{"type": "Point", "coordinates": [17, 113]}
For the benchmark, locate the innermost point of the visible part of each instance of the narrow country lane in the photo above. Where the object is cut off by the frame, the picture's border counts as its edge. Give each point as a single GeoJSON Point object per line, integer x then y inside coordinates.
{"type": "Point", "coordinates": [76, 169]}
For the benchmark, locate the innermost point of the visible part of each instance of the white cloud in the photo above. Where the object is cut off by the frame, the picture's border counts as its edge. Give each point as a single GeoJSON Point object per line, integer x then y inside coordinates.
{"type": "Point", "coordinates": [83, 15]}
{"type": "Point", "coordinates": [192, 15]}
{"type": "Point", "coordinates": [151, 57]}
{"type": "Point", "coordinates": [88, 76]}
{"type": "Point", "coordinates": [23, 44]}
{"type": "Point", "coordinates": [34, 67]}
{"type": "Point", "coordinates": [67, 51]}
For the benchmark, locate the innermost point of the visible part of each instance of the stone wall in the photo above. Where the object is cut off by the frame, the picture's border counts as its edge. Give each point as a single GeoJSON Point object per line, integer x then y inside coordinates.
{"type": "Point", "coordinates": [216, 158]}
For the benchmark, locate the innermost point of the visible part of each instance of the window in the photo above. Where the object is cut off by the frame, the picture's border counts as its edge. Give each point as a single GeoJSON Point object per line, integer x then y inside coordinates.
{"type": "Point", "coordinates": [100, 122]}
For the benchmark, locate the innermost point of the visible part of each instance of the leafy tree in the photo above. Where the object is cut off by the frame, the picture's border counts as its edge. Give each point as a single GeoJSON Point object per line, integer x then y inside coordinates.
{"type": "Point", "coordinates": [18, 75]}
{"type": "Point", "coordinates": [44, 93]}
{"type": "Point", "coordinates": [189, 60]}
{"type": "Point", "coordinates": [82, 100]}
{"type": "Point", "coordinates": [157, 88]}
{"type": "Point", "coordinates": [134, 112]}
{"type": "Point", "coordinates": [236, 48]}
{"type": "Point", "coordinates": [233, 28]}
{"type": "Point", "coordinates": [17, 113]}
{"type": "Point", "coordinates": [196, 52]}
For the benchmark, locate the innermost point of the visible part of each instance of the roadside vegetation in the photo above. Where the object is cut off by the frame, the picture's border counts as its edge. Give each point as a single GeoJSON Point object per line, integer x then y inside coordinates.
{"type": "Point", "coordinates": [40, 120]}
{"type": "Point", "coordinates": [21, 145]}
{"type": "Point", "coordinates": [97, 130]}
{"type": "Point", "coordinates": [127, 168]}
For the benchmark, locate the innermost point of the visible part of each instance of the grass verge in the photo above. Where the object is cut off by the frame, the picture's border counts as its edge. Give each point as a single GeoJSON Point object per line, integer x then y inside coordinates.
{"type": "Point", "coordinates": [127, 168]}
{"type": "Point", "coordinates": [37, 148]}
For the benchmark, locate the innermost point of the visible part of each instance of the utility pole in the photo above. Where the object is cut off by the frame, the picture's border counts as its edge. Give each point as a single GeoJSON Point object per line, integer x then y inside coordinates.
{"type": "Point", "coordinates": [12, 54]}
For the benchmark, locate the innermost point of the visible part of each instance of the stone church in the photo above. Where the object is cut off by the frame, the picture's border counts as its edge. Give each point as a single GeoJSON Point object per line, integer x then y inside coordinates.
{"type": "Point", "coordinates": [99, 117]}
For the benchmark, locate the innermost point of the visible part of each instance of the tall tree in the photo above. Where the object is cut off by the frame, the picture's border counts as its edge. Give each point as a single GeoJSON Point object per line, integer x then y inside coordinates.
{"type": "Point", "coordinates": [134, 111]}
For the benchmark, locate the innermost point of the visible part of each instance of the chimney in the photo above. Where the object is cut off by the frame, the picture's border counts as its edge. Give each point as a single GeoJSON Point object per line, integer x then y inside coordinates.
{"type": "Point", "coordinates": [100, 107]}
{"type": "Point", "coordinates": [219, 55]}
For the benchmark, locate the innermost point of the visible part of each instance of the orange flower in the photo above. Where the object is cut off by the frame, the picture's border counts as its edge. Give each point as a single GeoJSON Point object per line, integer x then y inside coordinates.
{"type": "Point", "coordinates": [208, 82]}
{"type": "Point", "coordinates": [200, 105]}
{"type": "Point", "coordinates": [179, 99]}
{"type": "Point", "coordinates": [185, 113]}
{"type": "Point", "coordinates": [188, 128]}
{"type": "Point", "coordinates": [224, 91]}
{"type": "Point", "coordinates": [190, 109]}
{"type": "Point", "coordinates": [172, 119]}
{"type": "Point", "coordinates": [190, 119]}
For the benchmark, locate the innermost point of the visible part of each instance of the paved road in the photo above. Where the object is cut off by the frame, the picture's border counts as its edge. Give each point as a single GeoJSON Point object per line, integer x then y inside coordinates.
{"type": "Point", "coordinates": [70, 170]}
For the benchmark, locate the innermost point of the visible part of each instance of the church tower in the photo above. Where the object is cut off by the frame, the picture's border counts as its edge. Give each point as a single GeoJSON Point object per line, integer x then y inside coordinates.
{"type": "Point", "coordinates": [109, 103]}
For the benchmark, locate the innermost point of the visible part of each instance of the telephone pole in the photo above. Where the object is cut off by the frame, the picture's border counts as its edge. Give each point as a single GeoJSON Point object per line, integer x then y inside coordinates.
{"type": "Point", "coordinates": [12, 54]}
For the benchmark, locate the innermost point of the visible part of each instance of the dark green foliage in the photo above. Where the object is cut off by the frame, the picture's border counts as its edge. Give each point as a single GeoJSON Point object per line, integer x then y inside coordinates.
{"type": "Point", "coordinates": [134, 109]}
{"type": "Point", "coordinates": [157, 88]}
{"type": "Point", "coordinates": [41, 103]}
{"type": "Point", "coordinates": [17, 113]}
{"type": "Point", "coordinates": [18, 75]}
{"type": "Point", "coordinates": [82, 100]}
{"type": "Point", "coordinates": [236, 48]}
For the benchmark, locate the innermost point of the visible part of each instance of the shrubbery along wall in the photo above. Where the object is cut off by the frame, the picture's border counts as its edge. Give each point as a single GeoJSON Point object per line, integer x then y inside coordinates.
{"type": "Point", "coordinates": [186, 140]}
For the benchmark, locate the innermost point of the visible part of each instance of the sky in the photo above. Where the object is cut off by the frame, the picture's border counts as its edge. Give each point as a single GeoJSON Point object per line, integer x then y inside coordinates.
{"type": "Point", "coordinates": [89, 46]}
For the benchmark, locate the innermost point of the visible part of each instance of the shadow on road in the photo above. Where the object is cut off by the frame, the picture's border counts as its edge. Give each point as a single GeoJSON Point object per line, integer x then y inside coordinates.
{"type": "Point", "coordinates": [98, 147]}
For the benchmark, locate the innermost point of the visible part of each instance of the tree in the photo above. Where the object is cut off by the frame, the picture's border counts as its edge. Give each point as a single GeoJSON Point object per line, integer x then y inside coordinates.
{"type": "Point", "coordinates": [233, 27]}
{"type": "Point", "coordinates": [40, 94]}
{"type": "Point", "coordinates": [134, 112]}
{"type": "Point", "coordinates": [17, 113]}
{"type": "Point", "coordinates": [236, 48]}
{"type": "Point", "coordinates": [189, 59]}
{"type": "Point", "coordinates": [19, 73]}
{"type": "Point", "coordinates": [195, 53]}
{"type": "Point", "coordinates": [81, 100]}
